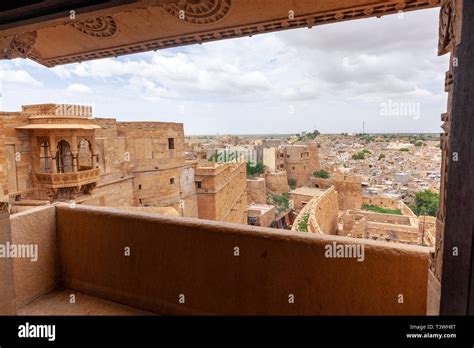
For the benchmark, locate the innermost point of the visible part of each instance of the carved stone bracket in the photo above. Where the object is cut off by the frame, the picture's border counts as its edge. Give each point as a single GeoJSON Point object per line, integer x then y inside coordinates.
{"type": "Point", "coordinates": [4, 207]}
{"type": "Point", "coordinates": [446, 27]}
{"type": "Point", "coordinates": [19, 46]}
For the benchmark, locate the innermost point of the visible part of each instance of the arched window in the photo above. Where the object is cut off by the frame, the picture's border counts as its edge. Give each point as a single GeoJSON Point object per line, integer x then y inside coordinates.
{"type": "Point", "coordinates": [44, 158]}
{"type": "Point", "coordinates": [84, 155]}
{"type": "Point", "coordinates": [64, 157]}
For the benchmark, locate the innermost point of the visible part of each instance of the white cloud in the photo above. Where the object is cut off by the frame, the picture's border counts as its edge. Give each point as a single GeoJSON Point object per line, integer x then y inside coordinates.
{"type": "Point", "coordinates": [61, 71]}
{"type": "Point", "coordinates": [18, 76]}
{"type": "Point", "coordinates": [79, 88]}
{"type": "Point", "coordinates": [334, 75]}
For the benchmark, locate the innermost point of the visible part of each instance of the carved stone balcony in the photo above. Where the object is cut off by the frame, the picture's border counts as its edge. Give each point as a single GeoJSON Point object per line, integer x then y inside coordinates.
{"type": "Point", "coordinates": [63, 180]}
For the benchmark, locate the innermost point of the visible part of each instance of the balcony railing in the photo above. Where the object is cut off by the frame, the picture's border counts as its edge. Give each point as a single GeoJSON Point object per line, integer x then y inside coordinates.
{"type": "Point", "coordinates": [171, 265]}
{"type": "Point", "coordinates": [72, 179]}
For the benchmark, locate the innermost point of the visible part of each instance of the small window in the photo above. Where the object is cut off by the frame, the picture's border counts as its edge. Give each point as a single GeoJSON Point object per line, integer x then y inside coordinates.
{"type": "Point", "coordinates": [140, 187]}
{"type": "Point", "coordinates": [170, 143]}
{"type": "Point", "coordinates": [287, 156]}
{"type": "Point", "coordinates": [172, 181]}
{"type": "Point", "coordinates": [198, 184]}
{"type": "Point", "coordinates": [293, 168]}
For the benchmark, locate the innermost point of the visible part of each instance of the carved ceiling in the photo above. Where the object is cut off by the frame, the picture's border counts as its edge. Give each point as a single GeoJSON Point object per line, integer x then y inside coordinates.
{"type": "Point", "coordinates": [140, 26]}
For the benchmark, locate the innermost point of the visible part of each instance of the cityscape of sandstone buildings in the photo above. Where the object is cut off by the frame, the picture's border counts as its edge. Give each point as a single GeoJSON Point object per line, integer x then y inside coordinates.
{"type": "Point", "coordinates": [61, 153]}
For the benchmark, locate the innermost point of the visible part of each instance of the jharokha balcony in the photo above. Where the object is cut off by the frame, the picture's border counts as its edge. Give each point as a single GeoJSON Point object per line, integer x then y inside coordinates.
{"type": "Point", "coordinates": [132, 263]}
{"type": "Point", "coordinates": [64, 180]}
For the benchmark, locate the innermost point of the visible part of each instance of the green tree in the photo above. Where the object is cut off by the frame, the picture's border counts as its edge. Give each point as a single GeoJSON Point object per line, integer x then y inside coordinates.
{"type": "Point", "coordinates": [359, 156]}
{"type": "Point", "coordinates": [255, 169]}
{"type": "Point", "coordinates": [292, 183]}
{"type": "Point", "coordinates": [303, 224]}
{"type": "Point", "coordinates": [321, 174]}
{"type": "Point", "coordinates": [426, 203]}
{"type": "Point", "coordinates": [382, 155]}
{"type": "Point", "coordinates": [282, 203]}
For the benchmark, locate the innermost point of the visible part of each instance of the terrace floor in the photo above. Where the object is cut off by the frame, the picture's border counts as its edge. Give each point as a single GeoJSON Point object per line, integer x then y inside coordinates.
{"type": "Point", "coordinates": [58, 303]}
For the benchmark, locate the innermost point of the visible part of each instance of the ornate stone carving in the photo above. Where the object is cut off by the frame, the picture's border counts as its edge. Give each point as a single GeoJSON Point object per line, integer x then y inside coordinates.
{"type": "Point", "coordinates": [199, 11]}
{"type": "Point", "coordinates": [19, 46]}
{"type": "Point", "coordinates": [446, 27]}
{"type": "Point", "coordinates": [4, 207]}
{"type": "Point", "coordinates": [100, 27]}
{"type": "Point", "coordinates": [306, 20]}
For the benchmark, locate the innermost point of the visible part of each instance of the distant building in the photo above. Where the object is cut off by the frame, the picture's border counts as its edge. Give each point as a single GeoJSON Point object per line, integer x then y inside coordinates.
{"type": "Point", "coordinates": [59, 152]}
{"type": "Point", "coordinates": [402, 177]}
{"type": "Point", "coordinates": [221, 190]}
{"type": "Point", "coordinates": [299, 161]}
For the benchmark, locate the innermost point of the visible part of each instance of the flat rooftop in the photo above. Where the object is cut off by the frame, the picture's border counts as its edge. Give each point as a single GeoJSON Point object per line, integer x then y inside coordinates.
{"type": "Point", "coordinates": [263, 208]}
{"type": "Point", "coordinates": [308, 191]}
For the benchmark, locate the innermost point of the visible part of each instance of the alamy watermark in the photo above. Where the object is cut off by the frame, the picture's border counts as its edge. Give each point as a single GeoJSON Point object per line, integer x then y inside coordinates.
{"type": "Point", "coordinates": [27, 251]}
{"type": "Point", "coordinates": [400, 108]}
{"type": "Point", "coordinates": [227, 155]}
{"type": "Point", "coordinates": [28, 330]}
{"type": "Point", "coordinates": [345, 251]}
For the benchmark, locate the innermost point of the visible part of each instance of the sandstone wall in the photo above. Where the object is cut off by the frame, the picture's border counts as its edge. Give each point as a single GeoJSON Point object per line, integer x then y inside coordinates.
{"type": "Point", "coordinates": [299, 200]}
{"type": "Point", "coordinates": [32, 279]}
{"type": "Point", "coordinates": [3, 163]}
{"type": "Point", "coordinates": [7, 287]}
{"type": "Point", "coordinates": [389, 227]}
{"type": "Point", "coordinates": [277, 182]}
{"type": "Point", "coordinates": [16, 159]}
{"type": "Point", "coordinates": [173, 256]}
{"type": "Point", "coordinates": [385, 202]}
{"type": "Point", "coordinates": [264, 218]}
{"type": "Point", "coordinates": [300, 161]}
{"type": "Point", "coordinates": [111, 194]}
{"type": "Point", "coordinates": [256, 191]}
{"type": "Point", "coordinates": [161, 176]}
{"type": "Point", "coordinates": [323, 217]}
{"type": "Point", "coordinates": [314, 163]}
{"type": "Point", "coordinates": [223, 192]}
{"type": "Point", "coordinates": [348, 187]}
{"type": "Point", "coordinates": [321, 212]}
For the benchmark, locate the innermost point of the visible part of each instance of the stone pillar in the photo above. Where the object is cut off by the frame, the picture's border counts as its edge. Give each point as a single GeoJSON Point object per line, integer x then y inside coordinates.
{"type": "Point", "coordinates": [74, 161]}
{"type": "Point", "coordinates": [7, 286]}
{"type": "Point", "coordinates": [53, 152]}
{"type": "Point", "coordinates": [457, 278]}
{"type": "Point", "coordinates": [449, 39]}
{"type": "Point", "coordinates": [74, 153]}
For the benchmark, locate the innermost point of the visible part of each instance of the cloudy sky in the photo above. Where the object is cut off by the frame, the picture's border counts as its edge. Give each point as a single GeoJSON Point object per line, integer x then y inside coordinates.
{"type": "Point", "coordinates": [384, 72]}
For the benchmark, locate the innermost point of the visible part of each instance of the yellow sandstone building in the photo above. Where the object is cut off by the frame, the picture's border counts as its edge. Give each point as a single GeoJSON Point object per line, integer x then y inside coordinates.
{"type": "Point", "coordinates": [58, 152]}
